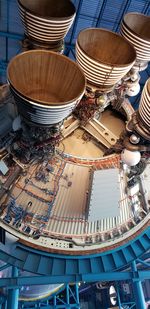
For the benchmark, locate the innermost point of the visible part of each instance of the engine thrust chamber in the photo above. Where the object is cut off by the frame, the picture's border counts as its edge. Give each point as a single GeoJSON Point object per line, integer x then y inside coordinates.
{"type": "Point", "coordinates": [46, 86]}
{"type": "Point", "coordinates": [105, 57]}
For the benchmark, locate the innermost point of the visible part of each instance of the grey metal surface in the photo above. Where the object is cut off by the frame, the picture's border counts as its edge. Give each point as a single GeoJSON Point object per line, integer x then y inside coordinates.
{"type": "Point", "coordinates": [105, 195]}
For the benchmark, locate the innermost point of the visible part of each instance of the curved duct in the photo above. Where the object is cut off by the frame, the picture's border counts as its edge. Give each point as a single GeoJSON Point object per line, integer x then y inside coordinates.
{"type": "Point", "coordinates": [135, 28]}
{"type": "Point", "coordinates": [144, 106]}
{"type": "Point", "coordinates": [142, 148]}
{"type": "Point", "coordinates": [46, 86]}
{"type": "Point", "coordinates": [105, 57]}
{"type": "Point", "coordinates": [47, 20]}
{"type": "Point", "coordinates": [140, 121]}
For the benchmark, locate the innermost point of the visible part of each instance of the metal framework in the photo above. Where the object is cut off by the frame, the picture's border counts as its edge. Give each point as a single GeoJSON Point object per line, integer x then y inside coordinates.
{"type": "Point", "coordinates": [66, 268]}
{"type": "Point", "coordinates": [71, 299]}
{"type": "Point", "coordinates": [107, 14]}
{"type": "Point", "coordinates": [121, 304]}
{"type": "Point", "coordinates": [18, 282]}
{"type": "Point", "coordinates": [51, 268]}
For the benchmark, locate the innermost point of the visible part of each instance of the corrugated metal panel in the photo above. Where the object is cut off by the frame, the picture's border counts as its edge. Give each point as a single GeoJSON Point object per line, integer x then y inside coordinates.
{"type": "Point", "coordinates": [2, 48]}
{"type": "Point", "coordinates": [106, 24]}
{"type": "Point", "coordinates": [148, 10]}
{"type": "Point", "coordinates": [82, 24]}
{"type": "Point", "coordinates": [76, 2]}
{"type": "Point", "coordinates": [72, 54]}
{"type": "Point", "coordinates": [112, 10]}
{"type": "Point", "coordinates": [137, 6]}
{"type": "Point", "coordinates": [105, 195]}
{"type": "Point", "coordinates": [14, 24]}
{"type": "Point", "coordinates": [91, 8]}
{"type": "Point", "coordinates": [3, 15]}
{"type": "Point", "coordinates": [14, 48]}
{"type": "Point", "coordinates": [68, 36]}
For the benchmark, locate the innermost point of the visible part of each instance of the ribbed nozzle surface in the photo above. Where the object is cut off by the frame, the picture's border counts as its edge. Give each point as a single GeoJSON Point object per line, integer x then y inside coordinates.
{"type": "Point", "coordinates": [47, 86]}
{"type": "Point", "coordinates": [135, 28]}
{"type": "Point", "coordinates": [144, 106]}
{"type": "Point", "coordinates": [104, 56]}
{"type": "Point", "coordinates": [47, 20]}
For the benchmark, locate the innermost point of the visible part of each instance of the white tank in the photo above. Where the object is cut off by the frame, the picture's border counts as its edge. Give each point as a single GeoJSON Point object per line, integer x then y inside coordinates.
{"type": "Point", "coordinates": [130, 158]}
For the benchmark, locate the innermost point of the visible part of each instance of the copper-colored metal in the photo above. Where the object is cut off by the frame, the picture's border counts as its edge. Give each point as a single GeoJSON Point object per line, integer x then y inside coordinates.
{"type": "Point", "coordinates": [101, 45]}
{"type": "Point", "coordinates": [46, 20]}
{"type": "Point", "coordinates": [136, 29]}
{"type": "Point", "coordinates": [139, 24]}
{"type": "Point", "coordinates": [140, 147]}
{"type": "Point", "coordinates": [104, 56]}
{"type": "Point", "coordinates": [138, 125]}
{"type": "Point", "coordinates": [28, 44]}
{"type": "Point", "coordinates": [144, 106]}
{"type": "Point", "coordinates": [47, 85]}
{"type": "Point", "coordinates": [49, 8]}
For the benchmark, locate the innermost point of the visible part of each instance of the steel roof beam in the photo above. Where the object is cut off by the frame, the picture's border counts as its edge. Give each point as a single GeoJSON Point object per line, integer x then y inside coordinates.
{"type": "Point", "coordinates": [16, 282]}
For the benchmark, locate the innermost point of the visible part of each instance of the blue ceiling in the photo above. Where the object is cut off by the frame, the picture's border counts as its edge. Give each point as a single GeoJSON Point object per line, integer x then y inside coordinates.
{"type": "Point", "coordinates": [90, 13]}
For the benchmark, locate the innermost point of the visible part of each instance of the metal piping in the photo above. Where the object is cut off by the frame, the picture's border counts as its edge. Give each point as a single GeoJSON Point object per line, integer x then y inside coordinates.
{"type": "Point", "coordinates": [132, 147]}
{"type": "Point", "coordinates": [136, 124]}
